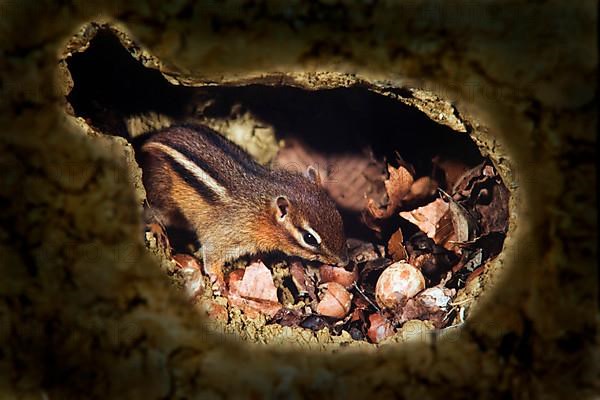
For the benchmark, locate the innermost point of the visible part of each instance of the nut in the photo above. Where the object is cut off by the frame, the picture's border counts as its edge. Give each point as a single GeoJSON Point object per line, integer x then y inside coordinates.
{"type": "Point", "coordinates": [339, 275]}
{"type": "Point", "coordinates": [380, 328]}
{"type": "Point", "coordinates": [398, 282]}
{"type": "Point", "coordinates": [335, 302]}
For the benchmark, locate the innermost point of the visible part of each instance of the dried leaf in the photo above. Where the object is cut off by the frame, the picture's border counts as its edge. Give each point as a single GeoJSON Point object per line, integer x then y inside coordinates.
{"type": "Point", "coordinates": [397, 186]}
{"type": "Point", "coordinates": [360, 252]}
{"type": "Point", "coordinates": [464, 226]}
{"type": "Point", "coordinates": [287, 317]}
{"type": "Point", "coordinates": [464, 184]}
{"type": "Point", "coordinates": [421, 189]}
{"type": "Point", "coordinates": [347, 177]}
{"type": "Point", "coordinates": [257, 283]}
{"type": "Point", "coordinates": [213, 310]}
{"type": "Point", "coordinates": [254, 291]}
{"type": "Point", "coordinates": [360, 306]}
{"type": "Point", "coordinates": [483, 192]}
{"type": "Point", "coordinates": [430, 304]}
{"type": "Point", "coordinates": [315, 322]}
{"type": "Point", "coordinates": [396, 247]}
{"type": "Point", "coordinates": [453, 170]}
{"type": "Point", "coordinates": [472, 262]}
{"type": "Point", "coordinates": [494, 215]}
{"type": "Point", "coordinates": [299, 277]}
{"type": "Point", "coordinates": [445, 231]}
{"type": "Point", "coordinates": [426, 218]}
{"type": "Point", "coordinates": [448, 224]}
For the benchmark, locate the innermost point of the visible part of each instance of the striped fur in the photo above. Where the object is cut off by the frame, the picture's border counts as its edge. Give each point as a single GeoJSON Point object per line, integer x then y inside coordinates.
{"type": "Point", "coordinates": [195, 177]}
{"type": "Point", "coordinates": [194, 172]}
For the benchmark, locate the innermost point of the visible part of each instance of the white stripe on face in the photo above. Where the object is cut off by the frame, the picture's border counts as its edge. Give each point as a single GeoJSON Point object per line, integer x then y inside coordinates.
{"type": "Point", "coordinates": [299, 235]}
{"type": "Point", "coordinates": [315, 234]}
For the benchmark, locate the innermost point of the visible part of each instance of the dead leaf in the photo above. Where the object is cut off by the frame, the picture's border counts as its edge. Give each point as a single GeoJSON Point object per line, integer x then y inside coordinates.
{"type": "Point", "coordinates": [464, 184]}
{"type": "Point", "coordinates": [471, 262]}
{"type": "Point", "coordinates": [464, 225]}
{"type": "Point", "coordinates": [448, 224]}
{"type": "Point", "coordinates": [396, 247]}
{"type": "Point", "coordinates": [397, 186]}
{"type": "Point", "coordinates": [257, 283]}
{"type": "Point", "coordinates": [299, 277]}
{"type": "Point", "coordinates": [347, 177]}
{"type": "Point", "coordinates": [360, 252]}
{"type": "Point", "coordinates": [360, 307]}
{"type": "Point", "coordinates": [431, 305]}
{"type": "Point", "coordinates": [213, 310]}
{"type": "Point", "coordinates": [287, 317]}
{"type": "Point", "coordinates": [453, 170]}
{"type": "Point", "coordinates": [445, 231]}
{"type": "Point", "coordinates": [427, 218]}
{"type": "Point", "coordinates": [494, 215]}
{"type": "Point", "coordinates": [254, 291]}
{"type": "Point", "coordinates": [421, 189]}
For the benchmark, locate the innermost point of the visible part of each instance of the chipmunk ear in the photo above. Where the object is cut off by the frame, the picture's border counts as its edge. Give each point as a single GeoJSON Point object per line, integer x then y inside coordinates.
{"type": "Point", "coordinates": [313, 174]}
{"type": "Point", "coordinates": [282, 207]}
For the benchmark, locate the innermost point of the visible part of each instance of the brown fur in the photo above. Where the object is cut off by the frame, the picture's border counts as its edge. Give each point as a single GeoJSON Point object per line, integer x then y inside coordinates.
{"type": "Point", "coordinates": [243, 220]}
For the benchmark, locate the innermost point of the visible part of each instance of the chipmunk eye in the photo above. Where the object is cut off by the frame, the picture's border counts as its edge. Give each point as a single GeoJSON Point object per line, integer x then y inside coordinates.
{"type": "Point", "coordinates": [309, 239]}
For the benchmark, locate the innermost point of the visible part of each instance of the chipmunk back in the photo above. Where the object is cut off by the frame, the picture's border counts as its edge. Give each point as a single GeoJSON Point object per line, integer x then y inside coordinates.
{"type": "Point", "coordinates": [197, 179]}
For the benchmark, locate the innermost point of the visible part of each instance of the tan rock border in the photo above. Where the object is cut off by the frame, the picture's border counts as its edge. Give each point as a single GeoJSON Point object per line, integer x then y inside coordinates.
{"type": "Point", "coordinates": [83, 314]}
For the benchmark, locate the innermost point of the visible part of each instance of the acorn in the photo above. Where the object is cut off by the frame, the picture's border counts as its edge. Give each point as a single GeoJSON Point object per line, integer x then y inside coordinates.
{"type": "Point", "coordinates": [340, 275]}
{"type": "Point", "coordinates": [335, 302]}
{"type": "Point", "coordinates": [379, 328]}
{"type": "Point", "coordinates": [398, 282]}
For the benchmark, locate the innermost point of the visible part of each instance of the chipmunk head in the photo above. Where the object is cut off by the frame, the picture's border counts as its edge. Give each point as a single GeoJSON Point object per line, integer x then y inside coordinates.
{"type": "Point", "coordinates": [310, 222]}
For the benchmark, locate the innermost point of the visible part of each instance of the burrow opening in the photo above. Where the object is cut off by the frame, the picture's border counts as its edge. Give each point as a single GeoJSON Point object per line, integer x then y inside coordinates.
{"type": "Point", "coordinates": [358, 136]}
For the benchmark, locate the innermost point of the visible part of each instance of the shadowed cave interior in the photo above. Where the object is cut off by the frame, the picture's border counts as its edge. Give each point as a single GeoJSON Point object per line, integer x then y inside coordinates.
{"type": "Point", "coordinates": [110, 86]}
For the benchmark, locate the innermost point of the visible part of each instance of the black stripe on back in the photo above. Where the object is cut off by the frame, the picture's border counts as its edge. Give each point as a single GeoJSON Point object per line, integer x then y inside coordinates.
{"type": "Point", "coordinates": [200, 187]}
{"type": "Point", "coordinates": [230, 149]}
{"type": "Point", "coordinates": [213, 173]}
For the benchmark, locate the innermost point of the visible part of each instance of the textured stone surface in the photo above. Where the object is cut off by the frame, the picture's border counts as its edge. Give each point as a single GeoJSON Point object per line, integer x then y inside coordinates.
{"type": "Point", "coordinates": [83, 312]}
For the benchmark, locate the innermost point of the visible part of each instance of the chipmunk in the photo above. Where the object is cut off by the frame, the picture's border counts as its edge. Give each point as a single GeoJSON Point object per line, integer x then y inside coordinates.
{"type": "Point", "coordinates": [234, 205]}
